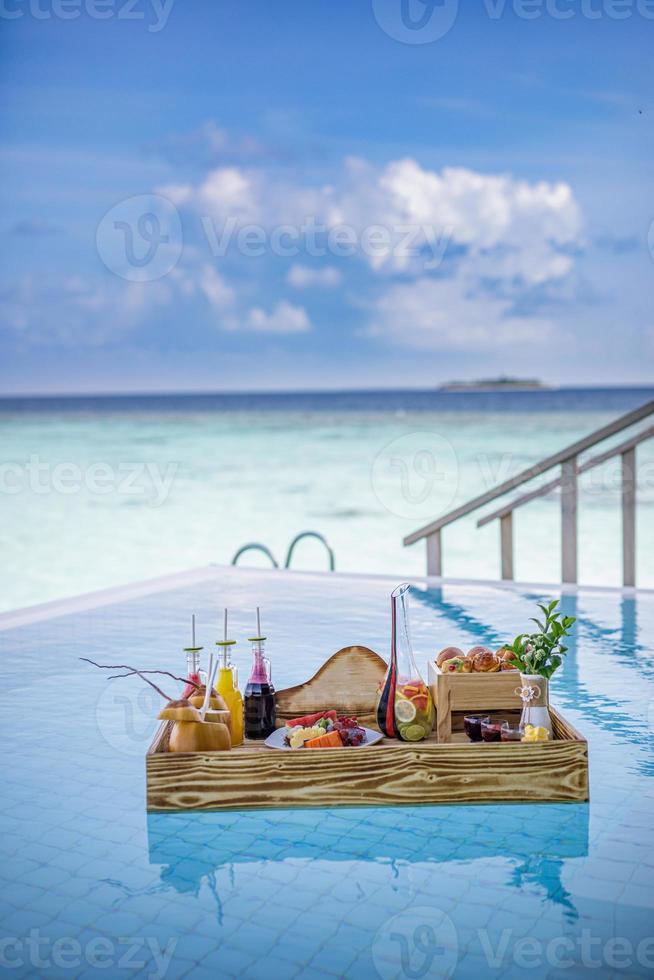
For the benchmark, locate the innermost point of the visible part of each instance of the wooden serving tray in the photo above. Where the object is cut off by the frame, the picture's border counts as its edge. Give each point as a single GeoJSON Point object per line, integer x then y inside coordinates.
{"type": "Point", "coordinates": [391, 772]}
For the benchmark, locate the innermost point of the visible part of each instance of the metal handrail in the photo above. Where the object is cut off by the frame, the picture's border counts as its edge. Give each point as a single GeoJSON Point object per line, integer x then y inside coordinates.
{"type": "Point", "coordinates": [255, 546]}
{"type": "Point", "coordinates": [567, 459]}
{"type": "Point", "coordinates": [546, 488]}
{"type": "Point", "coordinates": [309, 534]}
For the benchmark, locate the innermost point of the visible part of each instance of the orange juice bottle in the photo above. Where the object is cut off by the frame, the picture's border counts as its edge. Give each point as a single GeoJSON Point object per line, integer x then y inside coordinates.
{"type": "Point", "coordinates": [227, 687]}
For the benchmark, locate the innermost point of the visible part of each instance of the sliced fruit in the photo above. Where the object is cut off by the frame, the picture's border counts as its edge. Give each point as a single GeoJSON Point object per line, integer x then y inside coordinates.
{"type": "Point", "coordinates": [308, 720]}
{"type": "Point", "coordinates": [405, 711]}
{"type": "Point", "coordinates": [413, 733]}
{"type": "Point", "coordinates": [330, 740]}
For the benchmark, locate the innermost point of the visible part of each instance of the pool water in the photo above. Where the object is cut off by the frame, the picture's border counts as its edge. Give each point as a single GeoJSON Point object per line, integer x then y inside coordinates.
{"type": "Point", "coordinates": [91, 885]}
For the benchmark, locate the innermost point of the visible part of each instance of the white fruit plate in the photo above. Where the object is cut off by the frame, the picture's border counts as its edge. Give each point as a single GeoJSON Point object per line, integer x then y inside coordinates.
{"type": "Point", "coordinates": [276, 740]}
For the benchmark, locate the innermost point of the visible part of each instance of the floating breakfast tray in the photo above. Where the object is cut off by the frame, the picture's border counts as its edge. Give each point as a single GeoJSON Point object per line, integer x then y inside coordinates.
{"type": "Point", "coordinates": [391, 772]}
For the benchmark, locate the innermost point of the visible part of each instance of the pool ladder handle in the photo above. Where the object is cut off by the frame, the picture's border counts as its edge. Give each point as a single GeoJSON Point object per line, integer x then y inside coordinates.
{"type": "Point", "coordinates": [256, 546]}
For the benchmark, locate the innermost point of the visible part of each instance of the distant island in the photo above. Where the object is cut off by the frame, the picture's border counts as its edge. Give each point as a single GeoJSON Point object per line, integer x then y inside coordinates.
{"type": "Point", "coordinates": [495, 384]}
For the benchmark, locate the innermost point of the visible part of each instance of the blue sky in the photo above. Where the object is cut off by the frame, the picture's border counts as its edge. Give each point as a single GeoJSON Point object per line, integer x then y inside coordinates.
{"type": "Point", "coordinates": [494, 184]}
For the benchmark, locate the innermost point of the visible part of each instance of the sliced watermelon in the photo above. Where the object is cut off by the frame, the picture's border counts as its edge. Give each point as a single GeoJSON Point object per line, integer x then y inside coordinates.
{"type": "Point", "coordinates": [308, 720]}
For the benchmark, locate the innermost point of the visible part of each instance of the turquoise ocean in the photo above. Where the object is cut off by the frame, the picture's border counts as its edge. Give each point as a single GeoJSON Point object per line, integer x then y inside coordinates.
{"type": "Point", "coordinates": [102, 491]}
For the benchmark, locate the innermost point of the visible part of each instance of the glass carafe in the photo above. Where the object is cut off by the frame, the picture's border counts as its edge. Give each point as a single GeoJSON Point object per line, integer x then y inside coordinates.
{"type": "Point", "coordinates": [259, 704]}
{"type": "Point", "coordinates": [405, 709]}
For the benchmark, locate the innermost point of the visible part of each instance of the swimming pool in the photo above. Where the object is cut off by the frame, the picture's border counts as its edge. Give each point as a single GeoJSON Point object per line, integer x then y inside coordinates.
{"type": "Point", "coordinates": [92, 886]}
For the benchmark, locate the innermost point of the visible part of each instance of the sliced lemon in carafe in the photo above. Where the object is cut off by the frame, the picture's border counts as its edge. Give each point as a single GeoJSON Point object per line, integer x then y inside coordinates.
{"type": "Point", "coordinates": [404, 711]}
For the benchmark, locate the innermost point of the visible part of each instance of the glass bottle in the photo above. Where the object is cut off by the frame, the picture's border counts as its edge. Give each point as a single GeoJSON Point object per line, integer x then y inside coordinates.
{"type": "Point", "coordinates": [405, 709]}
{"type": "Point", "coordinates": [194, 680]}
{"type": "Point", "coordinates": [260, 711]}
{"type": "Point", "coordinates": [227, 687]}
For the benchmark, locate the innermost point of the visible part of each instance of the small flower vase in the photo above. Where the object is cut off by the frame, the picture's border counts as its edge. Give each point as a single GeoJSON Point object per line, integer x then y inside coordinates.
{"type": "Point", "coordinates": [535, 696]}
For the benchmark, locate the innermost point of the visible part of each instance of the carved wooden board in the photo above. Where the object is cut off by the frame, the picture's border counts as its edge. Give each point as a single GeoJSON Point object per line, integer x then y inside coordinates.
{"type": "Point", "coordinates": [348, 682]}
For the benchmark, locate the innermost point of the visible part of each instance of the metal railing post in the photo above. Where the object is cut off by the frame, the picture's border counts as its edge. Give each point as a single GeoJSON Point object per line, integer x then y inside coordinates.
{"type": "Point", "coordinates": [570, 470]}
{"type": "Point", "coordinates": [434, 554]}
{"type": "Point", "coordinates": [506, 545]}
{"type": "Point", "coordinates": [629, 517]}
{"type": "Point", "coordinates": [569, 520]}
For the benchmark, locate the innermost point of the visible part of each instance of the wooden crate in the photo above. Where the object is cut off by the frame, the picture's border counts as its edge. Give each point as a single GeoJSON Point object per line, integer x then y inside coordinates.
{"type": "Point", "coordinates": [456, 695]}
{"type": "Point", "coordinates": [391, 772]}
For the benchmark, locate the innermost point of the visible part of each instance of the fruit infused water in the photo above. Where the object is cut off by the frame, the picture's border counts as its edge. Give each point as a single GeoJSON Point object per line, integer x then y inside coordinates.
{"type": "Point", "coordinates": [414, 710]}
{"type": "Point", "coordinates": [405, 709]}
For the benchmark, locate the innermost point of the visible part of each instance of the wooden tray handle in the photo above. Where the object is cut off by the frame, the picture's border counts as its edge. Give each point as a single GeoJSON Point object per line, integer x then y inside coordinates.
{"type": "Point", "coordinates": [348, 682]}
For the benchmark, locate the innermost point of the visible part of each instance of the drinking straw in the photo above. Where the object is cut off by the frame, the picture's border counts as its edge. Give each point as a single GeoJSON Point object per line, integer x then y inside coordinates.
{"type": "Point", "coordinates": [193, 629]}
{"type": "Point", "coordinates": [211, 674]}
{"type": "Point", "coordinates": [258, 623]}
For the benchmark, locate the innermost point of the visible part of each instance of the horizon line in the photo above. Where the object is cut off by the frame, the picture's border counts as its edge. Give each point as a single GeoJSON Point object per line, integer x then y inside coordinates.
{"type": "Point", "coordinates": [442, 389]}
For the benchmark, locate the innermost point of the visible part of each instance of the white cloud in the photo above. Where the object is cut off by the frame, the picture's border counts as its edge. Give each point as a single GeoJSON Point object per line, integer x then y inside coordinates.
{"type": "Point", "coordinates": [506, 228]}
{"type": "Point", "coordinates": [493, 240]}
{"type": "Point", "coordinates": [215, 288]}
{"type": "Point", "coordinates": [283, 319]}
{"type": "Point", "coordinates": [229, 191]}
{"type": "Point", "coordinates": [178, 194]}
{"type": "Point", "coordinates": [91, 313]}
{"type": "Point", "coordinates": [304, 277]}
{"type": "Point", "coordinates": [225, 192]}
{"type": "Point", "coordinates": [484, 210]}
{"type": "Point", "coordinates": [209, 144]}
{"type": "Point", "coordinates": [75, 312]}
{"type": "Point", "coordinates": [447, 314]}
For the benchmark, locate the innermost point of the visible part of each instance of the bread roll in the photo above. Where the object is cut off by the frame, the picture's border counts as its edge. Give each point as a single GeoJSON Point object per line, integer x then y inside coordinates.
{"type": "Point", "coordinates": [485, 662]}
{"type": "Point", "coordinates": [457, 665]}
{"type": "Point", "coordinates": [448, 653]}
{"type": "Point", "coordinates": [472, 653]}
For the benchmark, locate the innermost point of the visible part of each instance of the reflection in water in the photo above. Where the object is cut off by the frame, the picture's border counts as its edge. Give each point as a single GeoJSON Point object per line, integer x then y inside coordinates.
{"type": "Point", "coordinates": [459, 615]}
{"type": "Point", "coordinates": [535, 841]}
{"type": "Point", "coordinates": [187, 875]}
{"type": "Point", "coordinates": [546, 872]}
